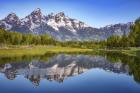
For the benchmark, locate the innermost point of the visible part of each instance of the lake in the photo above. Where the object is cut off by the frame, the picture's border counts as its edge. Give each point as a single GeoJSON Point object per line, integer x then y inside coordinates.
{"type": "Point", "coordinates": [70, 73]}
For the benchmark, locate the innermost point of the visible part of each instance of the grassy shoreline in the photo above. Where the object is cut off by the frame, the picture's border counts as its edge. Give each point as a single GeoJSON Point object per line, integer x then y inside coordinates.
{"type": "Point", "coordinates": [131, 51]}
{"type": "Point", "coordinates": [38, 50]}
{"type": "Point", "coordinates": [15, 50]}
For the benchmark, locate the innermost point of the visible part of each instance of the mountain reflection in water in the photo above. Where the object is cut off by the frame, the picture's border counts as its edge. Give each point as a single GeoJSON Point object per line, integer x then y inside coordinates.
{"type": "Point", "coordinates": [59, 67]}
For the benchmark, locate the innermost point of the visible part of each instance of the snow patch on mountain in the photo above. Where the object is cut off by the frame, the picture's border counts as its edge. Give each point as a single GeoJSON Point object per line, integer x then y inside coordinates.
{"type": "Point", "coordinates": [60, 26]}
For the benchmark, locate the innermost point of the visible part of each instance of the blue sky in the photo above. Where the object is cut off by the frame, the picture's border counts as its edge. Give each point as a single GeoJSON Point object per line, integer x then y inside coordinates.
{"type": "Point", "coordinates": [96, 13]}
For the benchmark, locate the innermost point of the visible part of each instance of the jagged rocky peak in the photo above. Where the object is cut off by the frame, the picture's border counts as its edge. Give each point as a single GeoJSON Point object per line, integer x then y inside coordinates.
{"type": "Point", "coordinates": [33, 20]}
{"type": "Point", "coordinates": [60, 26]}
{"type": "Point", "coordinates": [11, 18]}
{"type": "Point", "coordinates": [50, 16]}
{"type": "Point", "coordinates": [36, 15]}
{"type": "Point", "coordinates": [79, 24]}
{"type": "Point", "coordinates": [56, 17]}
{"type": "Point", "coordinates": [12, 15]}
{"type": "Point", "coordinates": [60, 14]}
{"type": "Point", "coordinates": [37, 12]}
{"type": "Point", "coordinates": [60, 17]}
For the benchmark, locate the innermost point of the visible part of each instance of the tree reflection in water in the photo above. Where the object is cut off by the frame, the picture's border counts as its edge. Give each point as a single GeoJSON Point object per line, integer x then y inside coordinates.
{"type": "Point", "coordinates": [58, 67]}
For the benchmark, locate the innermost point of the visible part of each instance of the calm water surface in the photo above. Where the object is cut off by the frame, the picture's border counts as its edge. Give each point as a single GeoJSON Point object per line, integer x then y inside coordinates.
{"type": "Point", "coordinates": [70, 73]}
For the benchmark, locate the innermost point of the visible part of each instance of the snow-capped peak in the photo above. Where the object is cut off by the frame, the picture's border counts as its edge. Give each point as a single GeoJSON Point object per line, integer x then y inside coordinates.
{"type": "Point", "coordinates": [12, 17]}
{"type": "Point", "coordinates": [60, 14]}
{"type": "Point", "coordinates": [60, 26]}
{"type": "Point", "coordinates": [36, 12]}
{"type": "Point", "coordinates": [61, 20]}
{"type": "Point", "coordinates": [34, 20]}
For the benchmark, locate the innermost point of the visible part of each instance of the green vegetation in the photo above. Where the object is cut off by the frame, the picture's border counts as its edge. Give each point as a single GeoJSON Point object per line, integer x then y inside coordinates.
{"type": "Point", "coordinates": [131, 40]}
{"type": "Point", "coordinates": [40, 50]}
{"type": "Point", "coordinates": [13, 43]}
{"type": "Point", "coordinates": [132, 62]}
{"type": "Point", "coordinates": [14, 38]}
{"type": "Point", "coordinates": [25, 58]}
{"type": "Point", "coordinates": [20, 44]}
{"type": "Point", "coordinates": [126, 44]}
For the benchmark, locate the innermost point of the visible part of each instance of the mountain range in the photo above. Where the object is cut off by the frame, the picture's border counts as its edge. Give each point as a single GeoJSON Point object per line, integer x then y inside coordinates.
{"type": "Point", "coordinates": [61, 27]}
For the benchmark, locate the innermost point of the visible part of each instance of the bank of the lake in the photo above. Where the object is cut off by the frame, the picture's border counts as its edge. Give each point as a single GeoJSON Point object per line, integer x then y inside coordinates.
{"type": "Point", "coordinates": [38, 50]}
{"type": "Point", "coordinates": [17, 50]}
{"type": "Point", "coordinates": [131, 51]}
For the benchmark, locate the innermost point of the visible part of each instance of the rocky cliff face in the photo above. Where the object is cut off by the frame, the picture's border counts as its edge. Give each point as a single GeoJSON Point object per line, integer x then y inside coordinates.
{"type": "Point", "coordinates": [60, 26]}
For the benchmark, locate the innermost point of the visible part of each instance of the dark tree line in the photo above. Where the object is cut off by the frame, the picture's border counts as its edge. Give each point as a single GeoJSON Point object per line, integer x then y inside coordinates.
{"type": "Point", "coordinates": [131, 40]}
{"type": "Point", "coordinates": [80, 44]}
{"type": "Point", "coordinates": [14, 38]}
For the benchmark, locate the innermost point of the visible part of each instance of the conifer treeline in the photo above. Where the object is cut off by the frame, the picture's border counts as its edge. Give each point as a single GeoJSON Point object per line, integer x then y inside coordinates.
{"type": "Point", "coordinates": [131, 40]}
{"type": "Point", "coordinates": [15, 38]}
